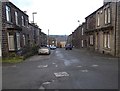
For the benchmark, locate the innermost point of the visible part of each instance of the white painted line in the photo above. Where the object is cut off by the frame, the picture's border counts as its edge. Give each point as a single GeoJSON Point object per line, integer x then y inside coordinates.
{"type": "Point", "coordinates": [94, 65]}
{"type": "Point", "coordinates": [53, 63]}
{"type": "Point", "coordinates": [46, 83]}
{"type": "Point", "coordinates": [41, 87]}
{"type": "Point", "coordinates": [84, 70]}
{"type": "Point", "coordinates": [42, 66]}
{"type": "Point", "coordinates": [14, 66]}
{"type": "Point", "coordinates": [79, 66]}
{"type": "Point", "coordinates": [61, 74]}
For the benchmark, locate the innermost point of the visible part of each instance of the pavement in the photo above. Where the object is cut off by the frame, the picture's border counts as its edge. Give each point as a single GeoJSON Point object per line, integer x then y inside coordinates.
{"type": "Point", "coordinates": [63, 69]}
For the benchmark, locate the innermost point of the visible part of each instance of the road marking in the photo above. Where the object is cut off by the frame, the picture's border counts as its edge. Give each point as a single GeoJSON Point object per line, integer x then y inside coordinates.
{"type": "Point", "coordinates": [56, 65]}
{"type": "Point", "coordinates": [14, 66]}
{"type": "Point", "coordinates": [79, 66]}
{"type": "Point", "coordinates": [61, 74]}
{"type": "Point", "coordinates": [42, 66]}
{"type": "Point", "coordinates": [53, 63]}
{"type": "Point", "coordinates": [94, 65]}
{"type": "Point", "coordinates": [84, 70]}
{"type": "Point", "coordinates": [46, 83]}
{"type": "Point", "coordinates": [42, 88]}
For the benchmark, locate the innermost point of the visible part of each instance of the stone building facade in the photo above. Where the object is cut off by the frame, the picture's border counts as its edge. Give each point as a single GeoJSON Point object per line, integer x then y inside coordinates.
{"type": "Point", "coordinates": [0, 28]}
{"type": "Point", "coordinates": [14, 28]}
{"type": "Point", "coordinates": [104, 36]}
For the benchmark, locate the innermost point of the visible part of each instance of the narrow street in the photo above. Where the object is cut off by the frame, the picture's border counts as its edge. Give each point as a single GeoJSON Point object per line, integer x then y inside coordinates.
{"type": "Point", "coordinates": [63, 69]}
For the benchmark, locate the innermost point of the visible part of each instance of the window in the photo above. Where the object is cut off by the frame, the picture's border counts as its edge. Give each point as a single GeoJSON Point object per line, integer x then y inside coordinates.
{"type": "Point", "coordinates": [11, 42]}
{"type": "Point", "coordinates": [82, 43]}
{"type": "Point", "coordinates": [98, 19]}
{"type": "Point", "coordinates": [8, 14]}
{"type": "Point", "coordinates": [24, 40]}
{"type": "Point", "coordinates": [82, 31]}
{"type": "Point", "coordinates": [107, 40]}
{"type": "Point", "coordinates": [18, 40]}
{"type": "Point", "coordinates": [91, 39]}
{"type": "Point", "coordinates": [109, 15]}
{"type": "Point", "coordinates": [105, 16]}
{"type": "Point", "coordinates": [23, 22]}
{"type": "Point", "coordinates": [16, 17]}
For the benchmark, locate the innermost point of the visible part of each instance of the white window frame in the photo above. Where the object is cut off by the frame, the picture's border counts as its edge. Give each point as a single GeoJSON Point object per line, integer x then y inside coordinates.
{"type": "Point", "coordinates": [105, 40]}
{"type": "Point", "coordinates": [24, 42]}
{"type": "Point", "coordinates": [11, 47]}
{"type": "Point", "coordinates": [8, 13]}
{"type": "Point", "coordinates": [23, 23]}
{"type": "Point", "coordinates": [18, 41]}
{"type": "Point", "coordinates": [109, 15]}
{"type": "Point", "coordinates": [82, 43]}
{"type": "Point", "coordinates": [16, 17]}
{"type": "Point", "coordinates": [108, 40]}
{"type": "Point", "coordinates": [105, 16]}
{"type": "Point", "coordinates": [98, 19]}
{"type": "Point", "coordinates": [91, 39]}
{"type": "Point", "coordinates": [82, 31]}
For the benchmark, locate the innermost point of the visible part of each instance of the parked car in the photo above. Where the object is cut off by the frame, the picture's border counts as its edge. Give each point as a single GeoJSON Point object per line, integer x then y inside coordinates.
{"type": "Point", "coordinates": [53, 47]}
{"type": "Point", "coordinates": [68, 47]}
{"type": "Point", "coordinates": [44, 50]}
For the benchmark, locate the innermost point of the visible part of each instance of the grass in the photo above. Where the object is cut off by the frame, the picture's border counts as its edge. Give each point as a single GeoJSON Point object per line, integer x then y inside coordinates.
{"type": "Point", "coordinates": [12, 60]}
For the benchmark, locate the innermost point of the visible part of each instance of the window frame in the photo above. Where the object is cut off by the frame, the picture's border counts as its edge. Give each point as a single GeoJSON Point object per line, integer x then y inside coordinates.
{"type": "Point", "coordinates": [9, 43]}
{"type": "Point", "coordinates": [8, 13]}
{"type": "Point", "coordinates": [16, 17]}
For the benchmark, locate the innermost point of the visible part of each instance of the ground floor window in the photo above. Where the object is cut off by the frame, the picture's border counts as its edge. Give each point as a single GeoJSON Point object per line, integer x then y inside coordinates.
{"type": "Point", "coordinates": [18, 40]}
{"type": "Point", "coordinates": [91, 39]}
{"type": "Point", "coordinates": [82, 43]}
{"type": "Point", "coordinates": [106, 39]}
{"type": "Point", "coordinates": [11, 42]}
{"type": "Point", "coordinates": [24, 40]}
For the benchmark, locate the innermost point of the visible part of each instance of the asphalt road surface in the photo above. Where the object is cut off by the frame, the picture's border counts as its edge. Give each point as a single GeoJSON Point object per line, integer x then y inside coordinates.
{"type": "Point", "coordinates": [63, 69]}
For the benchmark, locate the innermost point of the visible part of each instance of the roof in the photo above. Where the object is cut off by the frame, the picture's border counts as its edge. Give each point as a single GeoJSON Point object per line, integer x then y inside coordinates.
{"type": "Point", "coordinates": [16, 7]}
{"type": "Point", "coordinates": [97, 10]}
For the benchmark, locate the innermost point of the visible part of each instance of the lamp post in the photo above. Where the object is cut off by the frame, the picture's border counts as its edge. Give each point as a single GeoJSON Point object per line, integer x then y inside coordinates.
{"type": "Point", "coordinates": [33, 15]}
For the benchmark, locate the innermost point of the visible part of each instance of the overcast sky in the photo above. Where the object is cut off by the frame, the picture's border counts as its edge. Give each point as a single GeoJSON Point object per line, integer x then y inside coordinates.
{"type": "Point", "coordinates": [59, 16]}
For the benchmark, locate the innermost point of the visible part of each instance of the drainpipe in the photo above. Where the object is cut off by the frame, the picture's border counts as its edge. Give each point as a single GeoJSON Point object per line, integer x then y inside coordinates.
{"type": "Point", "coordinates": [115, 27]}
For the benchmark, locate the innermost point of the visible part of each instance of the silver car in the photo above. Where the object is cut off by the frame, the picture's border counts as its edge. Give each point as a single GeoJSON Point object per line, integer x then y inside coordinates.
{"type": "Point", "coordinates": [44, 50]}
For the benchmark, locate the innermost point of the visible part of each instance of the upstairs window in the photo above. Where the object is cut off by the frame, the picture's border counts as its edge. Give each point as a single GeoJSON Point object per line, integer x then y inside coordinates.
{"type": "Point", "coordinates": [23, 21]}
{"type": "Point", "coordinates": [109, 15]}
{"type": "Point", "coordinates": [105, 16]}
{"type": "Point", "coordinates": [16, 17]}
{"type": "Point", "coordinates": [82, 31]}
{"type": "Point", "coordinates": [98, 19]}
{"type": "Point", "coordinates": [8, 14]}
